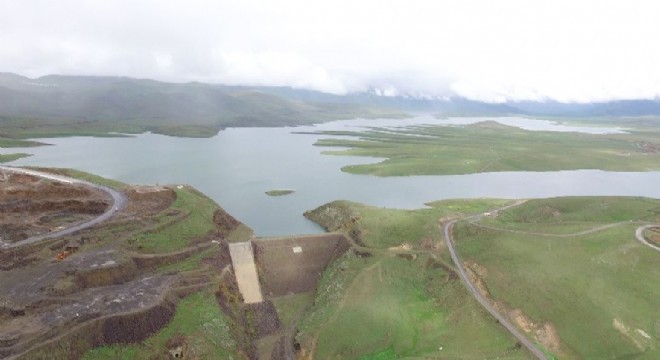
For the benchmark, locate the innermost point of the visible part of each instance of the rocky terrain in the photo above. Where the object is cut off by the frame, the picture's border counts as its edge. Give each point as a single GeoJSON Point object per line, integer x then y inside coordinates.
{"type": "Point", "coordinates": [31, 206]}
{"type": "Point", "coordinates": [67, 294]}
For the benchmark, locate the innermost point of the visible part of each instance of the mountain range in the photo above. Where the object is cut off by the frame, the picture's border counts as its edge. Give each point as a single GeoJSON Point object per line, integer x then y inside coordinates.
{"type": "Point", "coordinates": [58, 103]}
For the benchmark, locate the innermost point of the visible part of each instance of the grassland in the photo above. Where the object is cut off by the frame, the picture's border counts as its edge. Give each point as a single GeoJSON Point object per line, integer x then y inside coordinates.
{"type": "Point", "coordinates": [599, 290]}
{"type": "Point", "coordinates": [198, 319]}
{"type": "Point", "coordinates": [649, 122]}
{"type": "Point", "coordinates": [177, 233]}
{"type": "Point", "coordinates": [490, 147]}
{"type": "Point", "coordinates": [290, 307]}
{"type": "Point", "coordinates": [17, 128]}
{"type": "Point", "coordinates": [384, 306]}
{"type": "Point", "coordinates": [5, 158]}
{"type": "Point", "coordinates": [15, 143]}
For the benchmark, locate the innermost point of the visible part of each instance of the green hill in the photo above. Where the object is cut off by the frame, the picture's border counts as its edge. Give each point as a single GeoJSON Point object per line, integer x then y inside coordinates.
{"type": "Point", "coordinates": [64, 105]}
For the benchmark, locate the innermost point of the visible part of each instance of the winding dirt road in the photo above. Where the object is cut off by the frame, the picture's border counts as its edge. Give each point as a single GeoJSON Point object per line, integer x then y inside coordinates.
{"type": "Point", "coordinates": [522, 339]}
{"type": "Point", "coordinates": [639, 234]}
{"type": "Point", "coordinates": [119, 201]}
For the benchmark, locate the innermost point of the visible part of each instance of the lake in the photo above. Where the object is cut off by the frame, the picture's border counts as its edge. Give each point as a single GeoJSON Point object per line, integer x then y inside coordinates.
{"type": "Point", "coordinates": [238, 165]}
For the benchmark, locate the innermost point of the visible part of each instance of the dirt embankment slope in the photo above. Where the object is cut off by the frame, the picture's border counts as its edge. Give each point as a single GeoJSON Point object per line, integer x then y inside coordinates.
{"type": "Point", "coordinates": [32, 206]}
{"type": "Point", "coordinates": [101, 291]}
{"type": "Point", "coordinates": [294, 265]}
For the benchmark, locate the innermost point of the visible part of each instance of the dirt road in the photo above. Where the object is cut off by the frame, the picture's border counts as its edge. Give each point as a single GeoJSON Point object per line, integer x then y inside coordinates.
{"type": "Point", "coordinates": [522, 339]}
{"type": "Point", "coordinates": [119, 201]}
{"type": "Point", "coordinates": [639, 234]}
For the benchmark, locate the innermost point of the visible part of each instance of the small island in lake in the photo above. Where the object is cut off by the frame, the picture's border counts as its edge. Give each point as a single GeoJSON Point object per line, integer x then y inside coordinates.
{"type": "Point", "coordinates": [279, 192]}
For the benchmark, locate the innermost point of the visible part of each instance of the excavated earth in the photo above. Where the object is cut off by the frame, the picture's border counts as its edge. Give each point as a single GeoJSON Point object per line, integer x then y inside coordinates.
{"type": "Point", "coordinates": [32, 206]}
{"type": "Point", "coordinates": [102, 292]}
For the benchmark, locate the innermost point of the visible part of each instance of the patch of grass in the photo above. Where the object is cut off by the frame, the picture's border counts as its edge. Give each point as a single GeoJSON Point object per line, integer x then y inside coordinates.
{"type": "Point", "coordinates": [385, 306]}
{"type": "Point", "coordinates": [240, 234]}
{"type": "Point", "coordinates": [279, 192]}
{"type": "Point", "coordinates": [5, 158]}
{"type": "Point", "coordinates": [265, 346]}
{"type": "Point", "coordinates": [290, 306]}
{"type": "Point", "coordinates": [651, 122]}
{"type": "Point", "coordinates": [177, 236]}
{"type": "Point", "coordinates": [562, 210]}
{"type": "Point", "coordinates": [597, 289]}
{"type": "Point", "coordinates": [23, 128]}
{"type": "Point", "coordinates": [192, 131]}
{"type": "Point", "coordinates": [568, 215]}
{"type": "Point", "coordinates": [192, 263]}
{"type": "Point", "coordinates": [17, 143]}
{"type": "Point", "coordinates": [198, 319]}
{"type": "Point", "coordinates": [77, 174]}
{"type": "Point", "coordinates": [445, 150]}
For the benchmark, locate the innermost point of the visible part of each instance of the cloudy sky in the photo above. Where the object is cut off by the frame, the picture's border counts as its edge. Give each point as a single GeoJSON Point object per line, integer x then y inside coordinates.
{"type": "Point", "coordinates": [578, 51]}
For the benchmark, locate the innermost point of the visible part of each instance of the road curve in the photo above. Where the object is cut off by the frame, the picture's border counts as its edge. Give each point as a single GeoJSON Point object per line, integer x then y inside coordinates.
{"type": "Point", "coordinates": [522, 339]}
{"type": "Point", "coordinates": [118, 203]}
{"type": "Point", "coordinates": [639, 234]}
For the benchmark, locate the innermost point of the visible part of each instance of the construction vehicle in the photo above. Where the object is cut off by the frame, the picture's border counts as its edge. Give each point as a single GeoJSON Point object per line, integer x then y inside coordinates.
{"type": "Point", "coordinates": [66, 252]}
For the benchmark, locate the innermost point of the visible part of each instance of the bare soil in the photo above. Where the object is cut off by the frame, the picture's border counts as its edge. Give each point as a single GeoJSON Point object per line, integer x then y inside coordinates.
{"type": "Point", "coordinates": [32, 206]}
{"type": "Point", "coordinates": [654, 235]}
{"type": "Point", "coordinates": [100, 293]}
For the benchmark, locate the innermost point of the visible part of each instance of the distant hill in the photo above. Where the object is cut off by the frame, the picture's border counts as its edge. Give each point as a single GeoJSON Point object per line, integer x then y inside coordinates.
{"type": "Point", "coordinates": [610, 108]}
{"type": "Point", "coordinates": [458, 106]}
{"type": "Point", "coordinates": [455, 106]}
{"type": "Point", "coordinates": [72, 103]}
{"type": "Point", "coordinates": [57, 105]}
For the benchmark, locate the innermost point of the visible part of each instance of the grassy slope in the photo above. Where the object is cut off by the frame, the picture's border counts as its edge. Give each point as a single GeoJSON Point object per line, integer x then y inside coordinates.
{"type": "Point", "coordinates": [198, 318]}
{"type": "Point", "coordinates": [176, 235]}
{"type": "Point", "coordinates": [290, 306]}
{"type": "Point", "coordinates": [441, 150]}
{"type": "Point", "coordinates": [385, 306]}
{"type": "Point", "coordinates": [579, 284]}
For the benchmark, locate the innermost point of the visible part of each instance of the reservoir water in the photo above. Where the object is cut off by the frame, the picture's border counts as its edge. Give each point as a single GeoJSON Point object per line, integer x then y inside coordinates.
{"type": "Point", "coordinates": [238, 165]}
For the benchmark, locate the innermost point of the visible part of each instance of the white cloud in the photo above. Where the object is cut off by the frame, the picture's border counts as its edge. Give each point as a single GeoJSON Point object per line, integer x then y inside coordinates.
{"type": "Point", "coordinates": [274, 68]}
{"type": "Point", "coordinates": [488, 50]}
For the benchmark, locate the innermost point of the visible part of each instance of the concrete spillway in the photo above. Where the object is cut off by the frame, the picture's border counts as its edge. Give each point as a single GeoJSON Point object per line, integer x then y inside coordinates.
{"type": "Point", "coordinates": [242, 258]}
